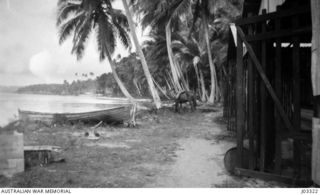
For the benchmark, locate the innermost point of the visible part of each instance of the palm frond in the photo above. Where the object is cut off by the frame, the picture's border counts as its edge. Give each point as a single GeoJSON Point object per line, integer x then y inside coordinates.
{"type": "Point", "coordinates": [60, 2]}
{"type": "Point", "coordinates": [179, 8]}
{"type": "Point", "coordinates": [196, 15]}
{"type": "Point", "coordinates": [123, 35]}
{"type": "Point", "coordinates": [105, 37]}
{"type": "Point", "coordinates": [66, 29]}
{"type": "Point", "coordinates": [65, 10]}
{"type": "Point", "coordinates": [147, 19]}
{"type": "Point", "coordinates": [81, 38]}
{"type": "Point", "coordinates": [89, 14]}
{"type": "Point", "coordinates": [160, 14]}
{"type": "Point", "coordinates": [153, 13]}
{"type": "Point", "coordinates": [107, 3]}
{"type": "Point", "coordinates": [77, 29]}
{"type": "Point", "coordinates": [118, 17]}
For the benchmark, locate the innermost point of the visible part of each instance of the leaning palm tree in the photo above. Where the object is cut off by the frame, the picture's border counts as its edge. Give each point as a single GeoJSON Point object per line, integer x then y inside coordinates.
{"type": "Point", "coordinates": [80, 17]}
{"type": "Point", "coordinates": [191, 54]}
{"type": "Point", "coordinates": [157, 54]}
{"type": "Point", "coordinates": [202, 12]}
{"type": "Point", "coordinates": [152, 88]}
{"type": "Point", "coordinates": [157, 14]}
{"type": "Point", "coordinates": [167, 13]}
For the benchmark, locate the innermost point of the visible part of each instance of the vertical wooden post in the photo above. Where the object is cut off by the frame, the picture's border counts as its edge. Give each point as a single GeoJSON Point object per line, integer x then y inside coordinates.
{"type": "Point", "coordinates": [296, 93]}
{"type": "Point", "coordinates": [315, 72]}
{"type": "Point", "coordinates": [263, 102]}
{"type": "Point", "coordinates": [239, 100]}
{"type": "Point", "coordinates": [315, 171]}
{"type": "Point", "coordinates": [296, 78]}
{"type": "Point", "coordinates": [257, 107]}
{"type": "Point", "coordinates": [251, 100]}
{"type": "Point", "coordinates": [278, 88]}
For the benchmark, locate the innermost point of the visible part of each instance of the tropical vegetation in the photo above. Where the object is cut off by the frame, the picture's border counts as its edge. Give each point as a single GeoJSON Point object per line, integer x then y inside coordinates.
{"type": "Point", "coordinates": [186, 49]}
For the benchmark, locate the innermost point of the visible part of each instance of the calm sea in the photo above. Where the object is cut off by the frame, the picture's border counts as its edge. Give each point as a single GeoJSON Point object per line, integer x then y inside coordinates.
{"type": "Point", "coordinates": [11, 102]}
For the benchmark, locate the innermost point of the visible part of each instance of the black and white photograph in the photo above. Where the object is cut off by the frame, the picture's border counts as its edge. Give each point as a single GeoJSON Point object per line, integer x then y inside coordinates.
{"type": "Point", "coordinates": [215, 94]}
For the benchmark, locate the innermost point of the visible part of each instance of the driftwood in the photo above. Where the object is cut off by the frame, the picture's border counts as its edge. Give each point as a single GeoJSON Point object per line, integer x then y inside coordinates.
{"type": "Point", "coordinates": [42, 148]}
{"type": "Point", "coordinates": [97, 125]}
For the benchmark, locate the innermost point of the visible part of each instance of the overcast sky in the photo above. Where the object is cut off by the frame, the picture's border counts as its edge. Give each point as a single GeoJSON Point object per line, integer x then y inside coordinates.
{"type": "Point", "coordinates": [29, 49]}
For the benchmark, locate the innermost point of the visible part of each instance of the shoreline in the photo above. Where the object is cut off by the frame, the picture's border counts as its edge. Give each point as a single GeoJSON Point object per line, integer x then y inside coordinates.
{"type": "Point", "coordinates": [11, 102]}
{"type": "Point", "coordinates": [143, 156]}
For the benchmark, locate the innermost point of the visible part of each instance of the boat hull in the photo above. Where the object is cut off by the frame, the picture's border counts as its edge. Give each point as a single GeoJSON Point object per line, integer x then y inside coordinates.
{"type": "Point", "coordinates": [113, 115]}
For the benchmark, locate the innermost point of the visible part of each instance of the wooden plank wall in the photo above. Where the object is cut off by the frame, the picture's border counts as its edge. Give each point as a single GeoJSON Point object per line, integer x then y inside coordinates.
{"type": "Point", "coordinates": [269, 90]}
{"type": "Point", "coordinates": [267, 94]}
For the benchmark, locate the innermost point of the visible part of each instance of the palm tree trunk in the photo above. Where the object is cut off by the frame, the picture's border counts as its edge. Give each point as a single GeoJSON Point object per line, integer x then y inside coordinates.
{"type": "Point", "coordinates": [184, 81]}
{"type": "Point", "coordinates": [161, 89]}
{"type": "Point", "coordinates": [218, 93]}
{"type": "Point", "coordinates": [135, 82]}
{"type": "Point", "coordinates": [212, 68]}
{"type": "Point", "coordinates": [203, 88]}
{"type": "Point", "coordinates": [119, 82]}
{"type": "Point", "coordinates": [170, 81]}
{"type": "Point", "coordinates": [174, 71]}
{"type": "Point", "coordinates": [168, 85]}
{"type": "Point", "coordinates": [147, 73]}
{"type": "Point", "coordinates": [195, 65]}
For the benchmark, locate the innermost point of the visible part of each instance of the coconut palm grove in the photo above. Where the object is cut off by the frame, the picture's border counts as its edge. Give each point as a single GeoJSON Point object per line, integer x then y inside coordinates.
{"type": "Point", "coordinates": [192, 94]}
{"type": "Point", "coordinates": [185, 50]}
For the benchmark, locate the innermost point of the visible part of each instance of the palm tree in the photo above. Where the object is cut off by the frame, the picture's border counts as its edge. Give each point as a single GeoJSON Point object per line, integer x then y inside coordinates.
{"type": "Point", "coordinates": [152, 88]}
{"type": "Point", "coordinates": [156, 54]}
{"type": "Point", "coordinates": [173, 11]}
{"type": "Point", "coordinates": [183, 7]}
{"type": "Point", "coordinates": [213, 73]}
{"type": "Point", "coordinates": [185, 50]}
{"type": "Point", "coordinates": [81, 17]}
{"type": "Point", "coordinates": [157, 15]}
{"type": "Point", "coordinates": [167, 13]}
{"type": "Point", "coordinates": [203, 11]}
{"type": "Point", "coordinates": [130, 70]}
{"type": "Point", "coordinates": [190, 54]}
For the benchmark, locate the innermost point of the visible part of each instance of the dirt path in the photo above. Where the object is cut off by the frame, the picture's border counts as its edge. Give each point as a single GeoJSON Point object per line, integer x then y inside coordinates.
{"type": "Point", "coordinates": [199, 160]}
{"type": "Point", "coordinates": [199, 164]}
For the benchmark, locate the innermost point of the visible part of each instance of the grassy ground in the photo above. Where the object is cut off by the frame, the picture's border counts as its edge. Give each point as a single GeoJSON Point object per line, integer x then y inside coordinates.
{"type": "Point", "coordinates": [122, 157]}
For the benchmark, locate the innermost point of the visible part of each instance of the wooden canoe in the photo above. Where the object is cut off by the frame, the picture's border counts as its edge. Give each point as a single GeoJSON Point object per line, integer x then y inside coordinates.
{"type": "Point", "coordinates": [117, 114]}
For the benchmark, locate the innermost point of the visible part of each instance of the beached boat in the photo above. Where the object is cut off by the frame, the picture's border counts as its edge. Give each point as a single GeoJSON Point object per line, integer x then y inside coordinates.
{"type": "Point", "coordinates": [116, 114]}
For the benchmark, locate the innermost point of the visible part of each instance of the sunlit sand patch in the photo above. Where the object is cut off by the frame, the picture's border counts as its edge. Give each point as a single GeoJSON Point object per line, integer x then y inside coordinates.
{"type": "Point", "coordinates": [108, 145]}
{"type": "Point", "coordinates": [133, 140]}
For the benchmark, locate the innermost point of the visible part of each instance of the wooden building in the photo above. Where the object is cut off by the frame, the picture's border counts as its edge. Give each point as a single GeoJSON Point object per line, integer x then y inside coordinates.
{"type": "Point", "coordinates": [270, 91]}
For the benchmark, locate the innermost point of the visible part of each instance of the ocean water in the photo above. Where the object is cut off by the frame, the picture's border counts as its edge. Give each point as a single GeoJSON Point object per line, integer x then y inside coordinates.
{"type": "Point", "coordinates": [11, 102]}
